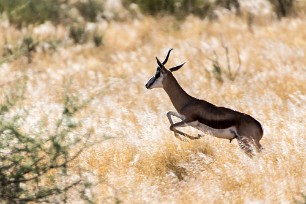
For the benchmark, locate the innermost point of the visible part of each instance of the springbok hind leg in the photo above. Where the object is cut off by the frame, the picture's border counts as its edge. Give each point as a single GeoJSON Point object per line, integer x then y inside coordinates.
{"type": "Point", "coordinates": [258, 146]}
{"type": "Point", "coordinates": [246, 145]}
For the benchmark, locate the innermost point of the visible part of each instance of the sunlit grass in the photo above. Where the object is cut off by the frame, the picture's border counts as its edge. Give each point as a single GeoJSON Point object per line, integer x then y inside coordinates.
{"type": "Point", "coordinates": [144, 162]}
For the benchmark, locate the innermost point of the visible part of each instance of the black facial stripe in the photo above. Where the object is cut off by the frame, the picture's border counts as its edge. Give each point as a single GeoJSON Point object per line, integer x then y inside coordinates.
{"type": "Point", "coordinates": [154, 79]}
{"type": "Point", "coordinates": [157, 75]}
{"type": "Point", "coordinates": [157, 70]}
{"type": "Point", "coordinates": [151, 81]}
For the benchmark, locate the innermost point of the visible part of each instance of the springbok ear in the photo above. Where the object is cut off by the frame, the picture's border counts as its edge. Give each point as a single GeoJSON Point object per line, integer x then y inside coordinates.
{"type": "Point", "coordinates": [162, 67]}
{"type": "Point", "coordinates": [173, 69]}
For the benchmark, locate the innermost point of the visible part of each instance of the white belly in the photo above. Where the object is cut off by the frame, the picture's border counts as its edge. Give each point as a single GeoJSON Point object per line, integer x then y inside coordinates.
{"type": "Point", "coordinates": [227, 133]}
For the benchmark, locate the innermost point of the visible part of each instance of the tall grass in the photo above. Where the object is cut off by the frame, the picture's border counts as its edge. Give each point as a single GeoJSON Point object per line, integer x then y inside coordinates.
{"type": "Point", "coordinates": [144, 162]}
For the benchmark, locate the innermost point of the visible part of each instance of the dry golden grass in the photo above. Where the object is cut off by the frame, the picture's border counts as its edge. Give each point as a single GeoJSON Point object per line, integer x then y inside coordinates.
{"type": "Point", "coordinates": [144, 162]}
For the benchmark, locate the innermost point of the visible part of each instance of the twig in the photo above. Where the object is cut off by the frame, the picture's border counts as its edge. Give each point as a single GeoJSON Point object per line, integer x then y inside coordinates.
{"type": "Point", "coordinates": [238, 66]}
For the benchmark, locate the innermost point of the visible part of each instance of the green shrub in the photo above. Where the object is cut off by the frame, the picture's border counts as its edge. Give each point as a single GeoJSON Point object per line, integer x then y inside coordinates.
{"type": "Point", "coordinates": [35, 166]}
{"type": "Point", "coordinates": [89, 9]}
{"type": "Point", "coordinates": [24, 12]}
{"type": "Point", "coordinates": [154, 7]}
{"type": "Point", "coordinates": [29, 46]}
{"type": "Point", "coordinates": [77, 33]}
{"type": "Point", "coordinates": [181, 8]}
{"type": "Point", "coordinates": [97, 39]}
{"type": "Point", "coordinates": [283, 8]}
{"type": "Point", "coordinates": [26, 48]}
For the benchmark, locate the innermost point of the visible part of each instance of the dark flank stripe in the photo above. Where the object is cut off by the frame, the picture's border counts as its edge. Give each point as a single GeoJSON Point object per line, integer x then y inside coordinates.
{"type": "Point", "coordinates": [218, 124]}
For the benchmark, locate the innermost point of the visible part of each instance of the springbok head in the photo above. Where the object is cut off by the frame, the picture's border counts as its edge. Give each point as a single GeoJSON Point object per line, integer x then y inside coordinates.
{"type": "Point", "coordinates": [161, 73]}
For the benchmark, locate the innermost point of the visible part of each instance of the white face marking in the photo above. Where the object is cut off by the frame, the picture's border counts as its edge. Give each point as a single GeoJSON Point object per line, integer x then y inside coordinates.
{"type": "Point", "coordinates": [156, 80]}
{"type": "Point", "coordinates": [158, 83]}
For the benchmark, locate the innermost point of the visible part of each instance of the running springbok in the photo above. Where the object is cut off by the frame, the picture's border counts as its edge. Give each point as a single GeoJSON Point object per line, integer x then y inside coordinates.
{"type": "Point", "coordinates": [219, 121]}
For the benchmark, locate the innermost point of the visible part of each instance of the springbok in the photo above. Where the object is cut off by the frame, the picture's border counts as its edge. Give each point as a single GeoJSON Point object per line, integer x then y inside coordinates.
{"type": "Point", "coordinates": [221, 122]}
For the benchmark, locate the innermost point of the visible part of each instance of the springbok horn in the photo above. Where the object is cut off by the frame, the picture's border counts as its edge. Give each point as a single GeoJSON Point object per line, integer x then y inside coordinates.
{"type": "Point", "coordinates": [166, 59]}
{"type": "Point", "coordinates": [160, 65]}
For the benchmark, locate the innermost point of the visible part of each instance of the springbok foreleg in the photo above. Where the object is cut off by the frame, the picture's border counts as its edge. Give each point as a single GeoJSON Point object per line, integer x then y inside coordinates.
{"type": "Point", "coordinates": [182, 124]}
{"type": "Point", "coordinates": [172, 113]}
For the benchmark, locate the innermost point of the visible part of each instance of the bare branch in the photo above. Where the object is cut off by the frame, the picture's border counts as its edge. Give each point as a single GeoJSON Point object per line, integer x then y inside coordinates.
{"type": "Point", "coordinates": [228, 62]}
{"type": "Point", "coordinates": [48, 168]}
{"type": "Point", "coordinates": [215, 61]}
{"type": "Point", "coordinates": [238, 66]}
